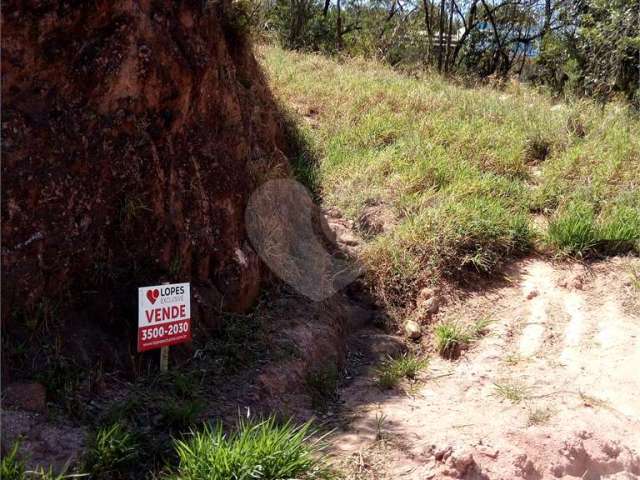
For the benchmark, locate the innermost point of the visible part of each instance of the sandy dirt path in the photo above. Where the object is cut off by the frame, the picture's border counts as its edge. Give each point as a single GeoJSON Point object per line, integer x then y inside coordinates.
{"type": "Point", "coordinates": [552, 391]}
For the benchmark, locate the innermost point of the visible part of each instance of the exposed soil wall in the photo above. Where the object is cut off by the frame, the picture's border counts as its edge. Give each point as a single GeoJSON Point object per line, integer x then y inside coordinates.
{"type": "Point", "coordinates": [133, 133]}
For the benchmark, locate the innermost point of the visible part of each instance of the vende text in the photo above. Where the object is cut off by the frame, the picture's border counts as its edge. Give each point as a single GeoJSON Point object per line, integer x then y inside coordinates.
{"type": "Point", "coordinates": [166, 314]}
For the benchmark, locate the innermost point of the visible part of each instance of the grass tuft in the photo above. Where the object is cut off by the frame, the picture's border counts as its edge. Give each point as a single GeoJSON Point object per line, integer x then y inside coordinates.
{"type": "Point", "coordinates": [393, 370]}
{"type": "Point", "coordinates": [111, 452]}
{"type": "Point", "coordinates": [539, 416]}
{"type": "Point", "coordinates": [451, 337]}
{"type": "Point", "coordinates": [11, 466]}
{"type": "Point", "coordinates": [577, 230]}
{"type": "Point", "coordinates": [258, 449]}
{"type": "Point", "coordinates": [515, 392]}
{"type": "Point", "coordinates": [572, 230]}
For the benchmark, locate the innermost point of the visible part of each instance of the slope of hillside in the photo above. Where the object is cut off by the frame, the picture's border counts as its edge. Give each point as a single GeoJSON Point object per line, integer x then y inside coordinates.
{"type": "Point", "coordinates": [446, 180]}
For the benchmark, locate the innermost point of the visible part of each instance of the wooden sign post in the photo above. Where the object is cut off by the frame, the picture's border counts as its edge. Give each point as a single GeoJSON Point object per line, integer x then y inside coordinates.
{"type": "Point", "coordinates": [164, 318]}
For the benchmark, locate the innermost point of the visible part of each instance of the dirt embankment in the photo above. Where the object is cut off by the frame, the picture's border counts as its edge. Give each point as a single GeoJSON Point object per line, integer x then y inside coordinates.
{"type": "Point", "coordinates": [133, 134]}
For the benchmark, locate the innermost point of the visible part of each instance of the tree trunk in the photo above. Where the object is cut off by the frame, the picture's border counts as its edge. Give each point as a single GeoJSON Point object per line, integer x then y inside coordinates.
{"type": "Point", "coordinates": [547, 16]}
{"type": "Point", "coordinates": [427, 23]}
{"type": "Point", "coordinates": [338, 27]}
{"type": "Point", "coordinates": [440, 39]}
{"type": "Point", "coordinates": [446, 64]}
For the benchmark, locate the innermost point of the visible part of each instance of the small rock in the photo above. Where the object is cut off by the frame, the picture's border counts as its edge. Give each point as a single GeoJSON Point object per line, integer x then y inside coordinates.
{"type": "Point", "coordinates": [488, 451]}
{"type": "Point", "coordinates": [425, 294]}
{"type": "Point", "coordinates": [461, 463]}
{"type": "Point", "coordinates": [431, 305]}
{"type": "Point", "coordinates": [532, 294]}
{"type": "Point", "coordinates": [343, 234]}
{"type": "Point", "coordinates": [442, 454]}
{"type": "Point", "coordinates": [29, 396]}
{"type": "Point", "coordinates": [524, 467]}
{"type": "Point", "coordinates": [412, 330]}
{"type": "Point", "coordinates": [611, 449]}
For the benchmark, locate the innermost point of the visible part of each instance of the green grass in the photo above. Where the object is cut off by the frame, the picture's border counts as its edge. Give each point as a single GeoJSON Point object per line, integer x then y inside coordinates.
{"type": "Point", "coordinates": [393, 370]}
{"type": "Point", "coordinates": [451, 337]}
{"type": "Point", "coordinates": [462, 171]}
{"type": "Point", "coordinates": [111, 452]}
{"type": "Point", "coordinates": [264, 449]}
{"type": "Point", "coordinates": [577, 230]}
{"type": "Point", "coordinates": [11, 466]}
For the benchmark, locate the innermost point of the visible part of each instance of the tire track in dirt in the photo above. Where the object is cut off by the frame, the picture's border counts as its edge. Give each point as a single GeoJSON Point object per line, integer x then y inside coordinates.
{"type": "Point", "coordinates": [566, 339]}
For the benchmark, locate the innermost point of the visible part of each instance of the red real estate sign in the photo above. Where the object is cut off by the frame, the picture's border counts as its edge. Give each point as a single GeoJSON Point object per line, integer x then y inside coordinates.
{"type": "Point", "coordinates": [164, 315]}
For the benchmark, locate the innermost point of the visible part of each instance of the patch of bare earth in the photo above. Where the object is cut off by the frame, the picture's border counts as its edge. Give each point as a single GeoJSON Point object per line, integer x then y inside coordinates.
{"type": "Point", "coordinates": [552, 391]}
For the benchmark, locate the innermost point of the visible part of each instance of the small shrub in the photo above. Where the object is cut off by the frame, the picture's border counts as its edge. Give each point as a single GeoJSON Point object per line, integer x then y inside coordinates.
{"type": "Point", "coordinates": [393, 370]}
{"type": "Point", "coordinates": [258, 449]}
{"type": "Point", "coordinates": [111, 452]}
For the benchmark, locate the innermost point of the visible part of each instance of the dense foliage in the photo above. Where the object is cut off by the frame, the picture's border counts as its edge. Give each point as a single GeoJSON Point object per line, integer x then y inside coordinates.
{"type": "Point", "coordinates": [579, 47]}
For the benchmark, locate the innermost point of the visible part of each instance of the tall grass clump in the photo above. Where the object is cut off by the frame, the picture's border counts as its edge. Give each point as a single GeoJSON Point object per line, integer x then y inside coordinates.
{"type": "Point", "coordinates": [619, 230]}
{"type": "Point", "coordinates": [265, 450]}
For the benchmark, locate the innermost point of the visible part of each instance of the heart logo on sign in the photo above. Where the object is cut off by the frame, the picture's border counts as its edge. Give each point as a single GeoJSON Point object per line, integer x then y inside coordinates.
{"type": "Point", "coordinates": [153, 295]}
